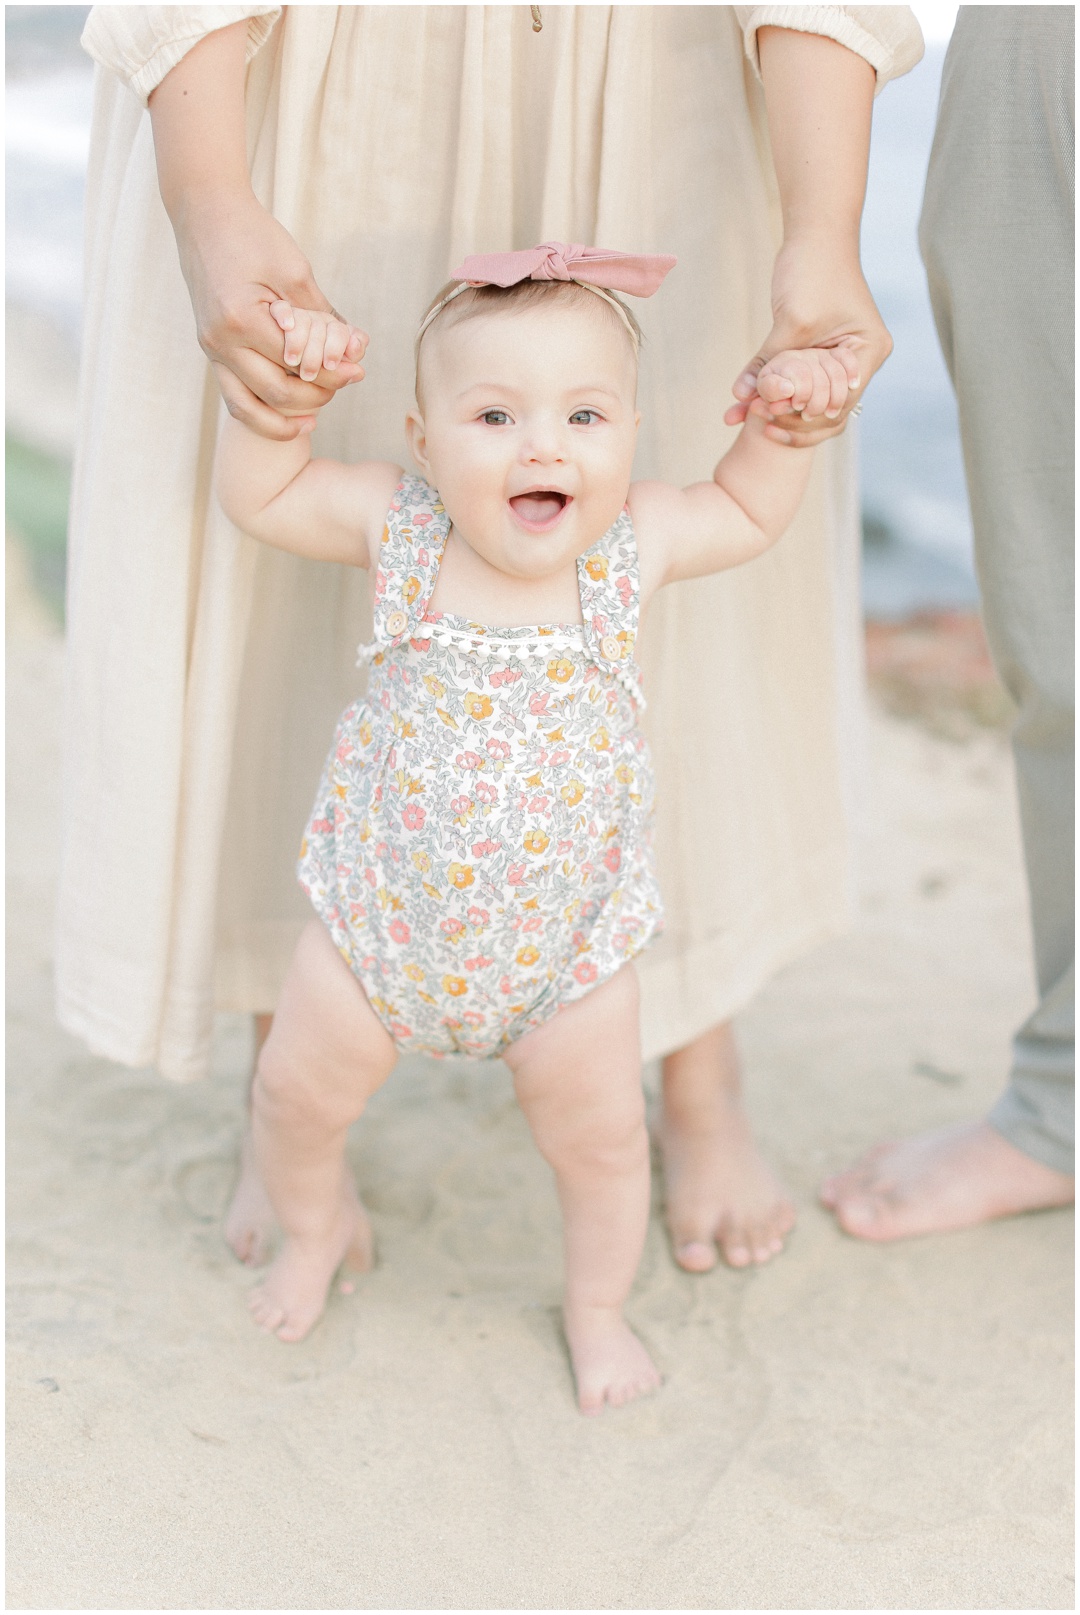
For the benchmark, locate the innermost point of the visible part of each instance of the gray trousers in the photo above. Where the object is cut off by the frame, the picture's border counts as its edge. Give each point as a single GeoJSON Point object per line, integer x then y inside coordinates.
{"type": "Point", "coordinates": [997, 241]}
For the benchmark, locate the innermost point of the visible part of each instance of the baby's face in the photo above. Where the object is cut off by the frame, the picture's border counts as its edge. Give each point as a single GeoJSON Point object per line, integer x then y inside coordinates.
{"type": "Point", "coordinates": [528, 432]}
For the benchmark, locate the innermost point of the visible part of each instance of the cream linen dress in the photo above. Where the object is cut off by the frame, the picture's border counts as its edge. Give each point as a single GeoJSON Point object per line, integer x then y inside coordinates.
{"type": "Point", "coordinates": [205, 672]}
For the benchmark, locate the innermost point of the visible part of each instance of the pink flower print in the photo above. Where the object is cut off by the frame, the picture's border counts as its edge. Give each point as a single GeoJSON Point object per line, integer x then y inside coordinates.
{"type": "Point", "coordinates": [413, 816]}
{"type": "Point", "coordinates": [538, 703]}
{"type": "Point", "coordinates": [612, 859]}
{"type": "Point", "coordinates": [506, 985]}
{"type": "Point", "coordinates": [399, 931]}
{"type": "Point", "coordinates": [486, 792]}
{"type": "Point", "coordinates": [402, 1031]}
{"type": "Point", "coordinates": [420, 644]}
{"type": "Point", "coordinates": [323, 826]}
{"type": "Point", "coordinates": [422, 518]}
{"type": "Point", "coordinates": [478, 916]}
{"type": "Point", "coordinates": [600, 625]}
{"type": "Point", "coordinates": [369, 876]}
{"type": "Point", "coordinates": [452, 928]}
{"type": "Point", "coordinates": [479, 963]}
{"type": "Point", "coordinates": [484, 849]}
{"type": "Point", "coordinates": [381, 850]}
{"type": "Point", "coordinates": [504, 675]}
{"type": "Point", "coordinates": [539, 804]}
{"type": "Point", "coordinates": [462, 807]}
{"type": "Point", "coordinates": [468, 759]}
{"type": "Point", "coordinates": [533, 923]}
{"type": "Point", "coordinates": [585, 972]}
{"type": "Point", "coordinates": [515, 875]}
{"type": "Point", "coordinates": [563, 848]}
{"type": "Point", "coordinates": [499, 749]}
{"type": "Point", "coordinates": [558, 757]}
{"type": "Point", "coordinates": [625, 590]}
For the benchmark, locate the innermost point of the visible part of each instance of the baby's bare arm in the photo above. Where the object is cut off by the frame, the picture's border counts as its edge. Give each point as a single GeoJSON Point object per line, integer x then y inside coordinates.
{"type": "Point", "coordinates": [710, 526]}
{"type": "Point", "coordinates": [324, 509]}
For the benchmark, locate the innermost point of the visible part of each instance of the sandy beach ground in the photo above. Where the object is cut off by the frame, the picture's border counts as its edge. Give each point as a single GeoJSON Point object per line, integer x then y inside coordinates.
{"type": "Point", "coordinates": [853, 1427]}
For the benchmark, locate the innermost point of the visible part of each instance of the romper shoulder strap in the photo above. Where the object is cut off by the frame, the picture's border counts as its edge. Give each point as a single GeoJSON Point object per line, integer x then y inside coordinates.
{"type": "Point", "coordinates": [608, 583]}
{"type": "Point", "coordinates": [410, 553]}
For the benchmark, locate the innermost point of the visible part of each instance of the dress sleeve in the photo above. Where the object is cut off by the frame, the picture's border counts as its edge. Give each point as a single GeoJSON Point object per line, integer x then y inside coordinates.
{"type": "Point", "coordinates": [888, 37]}
{"type": "Point", "coordinates": [140, 44]}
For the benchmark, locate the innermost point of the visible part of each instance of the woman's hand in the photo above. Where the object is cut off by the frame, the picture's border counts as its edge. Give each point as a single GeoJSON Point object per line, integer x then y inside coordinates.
{"type": "Point", "coordinates": [238, 260]}
{"type": "Point", "coordinates": [820, 300]}
{"type": "Point", "coordinates": [818, 99]}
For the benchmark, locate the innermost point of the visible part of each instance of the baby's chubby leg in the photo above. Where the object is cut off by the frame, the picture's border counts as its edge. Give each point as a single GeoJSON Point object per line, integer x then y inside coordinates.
{"type": "Point", "coordinates": [326, 1055]}
{"type": "Point", "coordinates": [578, 1080]}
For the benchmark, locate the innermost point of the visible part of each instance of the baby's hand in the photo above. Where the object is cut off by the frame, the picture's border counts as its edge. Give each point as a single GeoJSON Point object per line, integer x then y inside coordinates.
{"type": "Point", "coordinates": [811, 382]}
{"type": "Point", "coordinates": [317, 341]}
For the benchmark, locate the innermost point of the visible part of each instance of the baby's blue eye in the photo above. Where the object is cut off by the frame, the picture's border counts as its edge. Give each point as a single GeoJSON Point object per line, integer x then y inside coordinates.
{"type": "Point", "coordinates": [584, 417]}
{"type": "Point", "coordinates": [495, 417]}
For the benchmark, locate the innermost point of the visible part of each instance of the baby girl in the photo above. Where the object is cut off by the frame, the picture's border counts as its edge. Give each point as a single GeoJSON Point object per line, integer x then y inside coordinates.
{"type": "Point", "coordinates": [479, 852]}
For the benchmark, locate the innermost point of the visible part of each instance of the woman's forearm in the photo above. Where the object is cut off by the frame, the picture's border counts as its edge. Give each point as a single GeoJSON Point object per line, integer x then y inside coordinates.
{"type": "Point", "coordinates": [819, 99]}
{"type": "Point", "coordinates": [197, 113]}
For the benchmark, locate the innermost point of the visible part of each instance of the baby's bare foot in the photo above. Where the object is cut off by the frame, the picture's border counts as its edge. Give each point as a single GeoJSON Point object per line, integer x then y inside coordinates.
{"type": "Point", "coordinates": [611, 1366]}
{"type": "Point", "coordinates": [938, 1182]}
{"type": "Point", "coordinates": [719, 1190]}
{"type": "Point", "coordinates": [290, 1300]}
{"type": "Point", "coordinates": [250, 1224]}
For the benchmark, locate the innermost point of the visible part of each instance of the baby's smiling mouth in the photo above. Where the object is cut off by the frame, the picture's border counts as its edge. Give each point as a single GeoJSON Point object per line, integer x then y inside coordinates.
{"type": "Point", "coordinates": [539, 509]}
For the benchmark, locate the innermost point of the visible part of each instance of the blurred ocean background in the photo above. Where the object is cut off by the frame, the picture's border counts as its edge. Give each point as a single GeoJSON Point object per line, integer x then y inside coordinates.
{"type": "Point", "coordinates": [917, 539]}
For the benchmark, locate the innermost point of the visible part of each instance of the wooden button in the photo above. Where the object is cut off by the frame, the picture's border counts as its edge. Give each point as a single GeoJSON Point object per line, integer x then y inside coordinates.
{"type": "Point", "coordinates": [611, 648]}
{"type": "Point", "coordinates": [396, 623]}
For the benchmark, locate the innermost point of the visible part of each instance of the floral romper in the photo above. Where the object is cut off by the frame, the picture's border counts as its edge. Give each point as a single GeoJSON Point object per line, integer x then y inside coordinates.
{"type": "Point", "coordinates": [480, 847]}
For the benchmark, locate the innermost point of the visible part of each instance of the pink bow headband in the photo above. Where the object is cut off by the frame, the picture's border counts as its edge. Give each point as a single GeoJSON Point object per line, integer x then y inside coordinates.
{"type": "Point", "coordinates": [595, 268]}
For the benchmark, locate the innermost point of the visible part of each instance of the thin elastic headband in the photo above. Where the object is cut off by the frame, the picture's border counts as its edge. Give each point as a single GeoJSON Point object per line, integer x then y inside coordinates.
{"type": "Point", "coordinates": [469, 286]}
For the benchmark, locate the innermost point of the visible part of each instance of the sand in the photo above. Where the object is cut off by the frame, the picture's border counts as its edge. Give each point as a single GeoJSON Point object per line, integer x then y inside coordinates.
{"type": "Point", "coordinates": [852, 1427]}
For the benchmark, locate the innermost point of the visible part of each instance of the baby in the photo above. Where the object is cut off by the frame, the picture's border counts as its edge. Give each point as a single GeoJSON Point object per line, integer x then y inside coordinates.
{"type": "Point", "coordinates": [479, 853]}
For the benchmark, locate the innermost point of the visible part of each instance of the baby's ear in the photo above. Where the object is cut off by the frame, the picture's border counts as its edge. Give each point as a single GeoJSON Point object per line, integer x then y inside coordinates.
{"type": "Point", "coordinates": [416, 438]}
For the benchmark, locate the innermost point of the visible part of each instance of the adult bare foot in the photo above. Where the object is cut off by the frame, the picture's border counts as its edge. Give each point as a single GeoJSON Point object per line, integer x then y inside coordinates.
{"type": "Point", "coordinates": [290, 1300]}
{"type": "Point", "coordinates": [611, 1366]}
{"type": "Point", "coordinates": [719, 1190]}
{"type": "Point", "coordinates": [954, 1178]}
{"type": "Point", "coordinates": [250, 1224]}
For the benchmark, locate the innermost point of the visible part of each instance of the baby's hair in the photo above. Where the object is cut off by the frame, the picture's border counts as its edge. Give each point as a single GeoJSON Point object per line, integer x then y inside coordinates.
{"type": "Point", "coordinates": [477, 300]}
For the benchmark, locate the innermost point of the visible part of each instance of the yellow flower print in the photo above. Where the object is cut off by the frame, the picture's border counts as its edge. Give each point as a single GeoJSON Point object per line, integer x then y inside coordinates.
{"type": "Point", "coordinates": [451, 723]}
{"type": "Point", "coordinates": [477, 706]}
{"type": "Point", "coordinates": [410, 591]}
{"type": "Point", "coordinates": [364, 731]}
{"type": "Point", "coordinates": [527, 955]}
{"type": "Point", "coordinates": [599, 740]}
{"type": "Point", "coordinates": [460, 875]}
{"type": "Point", "coordinates": [455, 986]}
{"type": "Point", "coordinates": [624, 774]}
{"type": "Point", "coordinates": [413, 972]}
{"type": "Point", "coordinates": [436, 686]}
{"type": "Point", "coordinates": [559, 670]}
{"type": "Point", "coordinates": [421, 861]}
{"type": "Point", "coordinates": [536, 841]}
{"type": "Point", "coordinates": [596, 567]}
{"type": "Point", "coordinates": [432, 891]}
{"type": "Point", "coordinates": [572, 792]}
